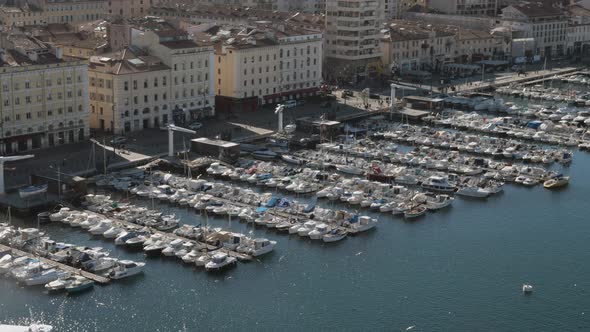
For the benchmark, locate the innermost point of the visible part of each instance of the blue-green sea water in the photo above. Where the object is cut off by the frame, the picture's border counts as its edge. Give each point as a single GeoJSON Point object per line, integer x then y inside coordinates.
{"type": "Point", "coordinates": [460, 269]}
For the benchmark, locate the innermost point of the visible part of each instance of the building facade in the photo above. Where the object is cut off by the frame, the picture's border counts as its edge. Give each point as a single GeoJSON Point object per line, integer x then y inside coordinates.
{"type": "Point", "coordinates": [191, 64]}
{"type": "Point", "coordinates": [255, 66]}
{"type": "Point", "coordinates": [44, 96]}
{"type": "Point", "coordinates": [128, 8]}
{"type": "Point", "coordinates": [465, 7]}
{"type": "Point", "coordinates": [47, 12]}
{"type": "Point", "coordinates": [352, 38]}
{"type": "Point", "coordinates": [546, 22]}
{"type": "Point", "coordinates": [129, 91]}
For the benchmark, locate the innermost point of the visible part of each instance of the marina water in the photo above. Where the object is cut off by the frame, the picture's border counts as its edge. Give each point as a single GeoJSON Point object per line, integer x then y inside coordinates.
{"type": "Point", "coordinates": [459, 269]}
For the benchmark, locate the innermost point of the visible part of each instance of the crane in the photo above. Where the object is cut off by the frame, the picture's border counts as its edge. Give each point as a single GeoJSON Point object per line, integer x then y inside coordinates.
{"type": "Point", "coordinates": [4, 159]}
{"type": "Point", "coordinates": [171, 129]}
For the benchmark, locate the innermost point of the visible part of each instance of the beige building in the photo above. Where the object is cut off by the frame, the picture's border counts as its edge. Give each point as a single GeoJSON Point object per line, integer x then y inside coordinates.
{"type": "Point", "coordinates": [465, 7]}
{"type": "Point", "coordinates": [258, 65]}
{"type": "Point", "coordinates": [352, 38]}
{"type": "Point", "coordinates": [129, 8]}
{"type": "Point", "coordinates": [191, 88]}
{"type": "Point", "coordinates": [474, 45]}
{"type": "Point", "coordinates": [129, 90]}
{"type": "Point", "coordinates": [44, 96]}
{"type": "Point", "coordinates": [546, 22]}
{"type": "Point", "coordinates": [47, 12]}
{"type": "Point", "coordinates": [410, 46]}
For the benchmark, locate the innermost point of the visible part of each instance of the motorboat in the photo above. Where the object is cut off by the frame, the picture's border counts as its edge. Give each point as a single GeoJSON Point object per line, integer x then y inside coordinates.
{"type": "Point", "coordinates": [112, 232]}
{"type": "Point", "coordinates": [101, 227]}
{"type": "Point", "coordinates": [527, 289]}
{"type": "Point", "coordinates": [363, 223]}
{"type": "Point", "coordinates": [438, 202]}
{"type": "Point", "coordinates": [155, 248]}
{"type": "Point", "coordinates": [79, 284]}
{"type": "Point", "coordinates": [291, 159]}
{"type": "Point", "coordinates": [349, 169]}
{"type": "Point", "coordinates": [335, 235]}
{"type": "Point", "coordinates": [556, 182]}
{"type": "Point", "coordinates": [60, 215]}
{"type": "Point", "coordinates": [438, 183]}
{"type": "Point", "coordinates": [28, 328]}
{"type": "Point", "coordinates": [307, 227]}
{"type": "Point", "coordinates": [319, 231]}
{"type": "Point", "coordinates": [257, 247]}
{"type": "Point", "coordinates": [415, 212]}
{"type": "Point", "coordinates": [220, 261]}
{"type": "Point", "coordinates": [126, 268]}
{"type": "Point", "coordinates": [59, 284]}
{"type": "Point", "coordinates": [172, 247]}
{"type": "Point", "coordinates": [265, 155]}
{"type": "Point", "coordinates": [44, 277]}
{"type": "Point", "coordinates": [473, 191]}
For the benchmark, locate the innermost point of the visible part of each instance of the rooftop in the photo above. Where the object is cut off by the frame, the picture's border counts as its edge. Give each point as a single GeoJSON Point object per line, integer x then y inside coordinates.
{"type": "Point", "coordinates": [128, 61]}
{"type": "Point", "coordinates": [539, 8]}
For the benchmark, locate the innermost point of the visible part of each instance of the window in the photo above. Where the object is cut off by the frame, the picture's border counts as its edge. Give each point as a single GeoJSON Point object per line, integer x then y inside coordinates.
{"type": "Point", "coordinates": [27, 85]}
{"type": "Point", "coordinates": [28, 99]}
{"type": "Point", "coordinates": [145, 98]}
{"type": "Point", "coordinates": [16, 101]}
{"type": "Point", "coordinates": [155, 82]}
{"type": "Point", "coordinates": [145, 84]}
{"type": "Point", "coordinates": [126, 86]}
{"type": "Point", "coordinates": [135, 100]}
{"type": "Point", "coordinates": [28, 115]}
{"type": "Point", "coordinates": [17, 117]}
{"type": "Point", "coordinates": [134, 85]}
{"type": "Point", "coordinates": [164, 81]}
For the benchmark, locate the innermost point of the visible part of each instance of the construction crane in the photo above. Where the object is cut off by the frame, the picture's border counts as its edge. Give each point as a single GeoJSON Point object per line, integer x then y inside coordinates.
{"type": "Point", "coordinates": [171, 129]}
{"type": "Point", "coordinates": [5, 159]}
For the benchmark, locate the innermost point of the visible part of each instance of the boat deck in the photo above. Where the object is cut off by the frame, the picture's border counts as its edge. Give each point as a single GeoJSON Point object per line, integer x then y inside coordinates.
{"type": "Point", "coordinates": [97, 278]}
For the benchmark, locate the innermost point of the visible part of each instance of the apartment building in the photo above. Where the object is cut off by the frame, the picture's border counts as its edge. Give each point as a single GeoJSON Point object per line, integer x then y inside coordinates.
{"type": "Point", "coordinates": [128, 8]}
{"type": "Point", "coordinates": [44, 96]}
{"type": "Point", "coordinates": [546, 22]}
{"type": "Point", "coordinates": [476, 45]}
{"type": "Point", "coordinates": [352, 38]}
{"type": "Point", "coordinates": [410, 46]}
{"type": "Point", "coordinates": [129, 90]}
{"type": "Point", "coordinates": [578, 31]}
{"type": "Point", "coordinates": [262, 64]}
{"type": "Point", "coordinates": [465, 7]}
{"type": "Point", "coordinates": [40, 12]}
{"type": "Point", "coordinates": [192, 71]}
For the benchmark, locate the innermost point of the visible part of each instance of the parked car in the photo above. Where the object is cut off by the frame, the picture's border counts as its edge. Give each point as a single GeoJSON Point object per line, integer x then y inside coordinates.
{"type": "Point", "coordinates": [118, 140]}
{"type": "Point", "coordinates": [290, 103]}
{"type": "Point", "coordinates": [195, 126]}
{"type": "Point", "coordinates": [348, 93]}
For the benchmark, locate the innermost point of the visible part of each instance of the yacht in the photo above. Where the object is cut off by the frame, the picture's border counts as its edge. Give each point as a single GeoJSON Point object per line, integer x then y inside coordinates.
{"type": "Point", "coordinates": [220, 261]}
{"type": "Point", "coordinates": [59, 284]}
{"type": "Point", "coordinates": [126, 268]}
{"type": "Point", "coordinates": [258, 247]}
{"type": "Point", "coordinates": [362, 224]}
{"type": "Point", "coordinates": [438, 183]}
{"type": "Point", "coordinates": [527, 289]}
{"type": "Point", "coordinates": [307, 227]}
{"type": "Point", "coordinates": [438, 202]}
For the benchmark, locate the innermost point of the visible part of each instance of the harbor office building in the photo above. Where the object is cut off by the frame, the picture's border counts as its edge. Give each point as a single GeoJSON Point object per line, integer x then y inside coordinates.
{"type": "Point", "coordinates": [44, 96]}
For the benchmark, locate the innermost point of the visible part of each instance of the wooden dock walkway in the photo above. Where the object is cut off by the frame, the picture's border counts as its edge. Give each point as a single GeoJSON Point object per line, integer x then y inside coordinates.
{"type": "Point", "coordinates": [240, 256]}
{"type": "Point", "coordinates": [97, 278]}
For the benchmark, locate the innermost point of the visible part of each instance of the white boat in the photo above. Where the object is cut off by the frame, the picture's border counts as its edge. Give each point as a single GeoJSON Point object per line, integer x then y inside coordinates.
{"type": "Point", "coordinates": [45, 276]}
{"type": "Point", "coordinates": [258, 247]}
{"type": "Point", "coordinates": [292, 159]}
{"type": "Point", "coordinates": [438, 183]}
{"type": "Point", "coordinates": [307, 227]}
{"type": "Point", "coordinates": [28, 328]}
{"type": "Point", "coordinates": [60, 215]}
{"type": "Point", "coordinates": [527, 289]}
{"type": "Point", "coordinates": [59, 284]}
{"type": "Point", "coordinates": [364, 223]}
{"type": "Point", "coordinates": [473, 191]}
{"type": "Point", "coordinates": [319, 232]}
{"type": "Point", "coordinates": [172, 247]}
{"type": "Point", "coordinates": [126, 268]}
{"type": "Point", "coordinates": [415, 212]}
{"type": "Point", "coordinates": [101, 227]}
{"type": "Point", "coordinates": [220, 261]}
{"type": "Point", "coordinates": [335, 235]}
{"type": "Point", "coordinates": [348, 169]}
{"type": "Point", "coordinates": [79, 284]}
{"type": "Point", "coordinates": [438, 202]}
{"type": "Point", "coordinates": [112, 232]}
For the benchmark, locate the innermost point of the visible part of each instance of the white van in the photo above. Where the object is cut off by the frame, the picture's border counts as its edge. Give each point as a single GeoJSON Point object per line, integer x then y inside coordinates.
{"type": "Point", "coordinates": [290, 103]}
